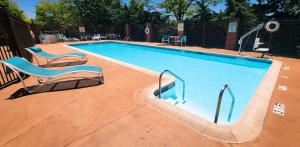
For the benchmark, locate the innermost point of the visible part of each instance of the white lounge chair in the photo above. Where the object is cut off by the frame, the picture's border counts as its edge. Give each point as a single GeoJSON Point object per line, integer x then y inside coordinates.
{"type": "Point", "coordinates": [96, 37]}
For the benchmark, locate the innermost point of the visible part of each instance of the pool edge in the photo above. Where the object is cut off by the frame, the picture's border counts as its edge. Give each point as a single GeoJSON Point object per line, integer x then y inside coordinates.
{"type": "Point", "coordinates": [245, 129]}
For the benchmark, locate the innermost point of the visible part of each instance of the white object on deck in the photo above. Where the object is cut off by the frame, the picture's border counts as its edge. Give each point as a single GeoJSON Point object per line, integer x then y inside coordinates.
{"type": "Point", "coordinates": [279, 108]}
{"type": "Point", "coordinates": [282, 88]}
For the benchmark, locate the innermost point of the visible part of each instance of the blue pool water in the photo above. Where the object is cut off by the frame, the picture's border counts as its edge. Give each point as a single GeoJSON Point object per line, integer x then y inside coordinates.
{"type": "Point", "coordinates": [204, 73]}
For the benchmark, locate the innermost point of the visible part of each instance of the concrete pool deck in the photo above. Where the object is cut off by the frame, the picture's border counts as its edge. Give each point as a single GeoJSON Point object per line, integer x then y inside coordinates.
{"type": "Point", "coordinates": [113, 115]}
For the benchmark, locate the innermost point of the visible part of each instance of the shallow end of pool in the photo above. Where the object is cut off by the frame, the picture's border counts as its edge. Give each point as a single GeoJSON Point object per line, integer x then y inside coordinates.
{"type": "Point", "coordinates": [247, 128]}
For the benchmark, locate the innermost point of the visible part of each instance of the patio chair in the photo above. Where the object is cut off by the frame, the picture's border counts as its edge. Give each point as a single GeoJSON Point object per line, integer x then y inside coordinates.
{"type": "Point", "coordinates": [256, 47]}
{"type": "Point", "coordinates": [118, 36]}
{"type": "Point", "coordinates": [96, 37]}
{"type": "Point", "coordinates": [36, 51]}
{"type": "Point", "coordinates": [17, 64]}
{"type": "Point", "coordinates": [103, 37]}
{"type": "Point", "coordinates": [127, 38]}
{"type": "Point", "coordinates": [181, 40]}
{"type": "Point", "coordinates": [62, 37]}
{"type": "Point", "coordinates": [75, 39]}
{"type": "Point", "coordinates": [83, 37]}
{"type": "Point", "coordinates": [165, 38]}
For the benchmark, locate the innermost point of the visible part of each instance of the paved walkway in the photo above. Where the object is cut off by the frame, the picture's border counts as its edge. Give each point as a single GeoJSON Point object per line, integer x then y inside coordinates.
{"type": "Point", "coordinates": [112, 114]}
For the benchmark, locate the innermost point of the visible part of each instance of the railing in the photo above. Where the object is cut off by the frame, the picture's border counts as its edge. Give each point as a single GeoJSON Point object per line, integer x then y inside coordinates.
{"type": "Point", "coordinates": [257, 28]}
{"type": "Point", "coordinates": [220, 101]}
{"type": "Point", "coordinates": [177, 77]}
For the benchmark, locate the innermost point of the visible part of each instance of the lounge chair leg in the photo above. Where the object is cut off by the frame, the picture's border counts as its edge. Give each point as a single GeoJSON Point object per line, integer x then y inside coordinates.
{"type": "Point", "coordinates": [101, 77]}
{"type": "Point", "coordinates": [84, 60]}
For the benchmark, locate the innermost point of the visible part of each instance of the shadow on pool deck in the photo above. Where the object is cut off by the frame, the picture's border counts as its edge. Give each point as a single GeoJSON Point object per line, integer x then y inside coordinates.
{"type": "Point", "coordinates": [57, 86]}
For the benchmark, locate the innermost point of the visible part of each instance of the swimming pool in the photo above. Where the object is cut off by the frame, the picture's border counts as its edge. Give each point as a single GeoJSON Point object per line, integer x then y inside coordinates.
{"type": "Point", "coordinates": [204, 74]}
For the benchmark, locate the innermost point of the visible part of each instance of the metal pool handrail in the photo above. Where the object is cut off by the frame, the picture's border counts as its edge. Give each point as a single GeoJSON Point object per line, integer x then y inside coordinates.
{"type": "Point", "coordinates": [257, 28]}
{"type": "Point", "coordinates": [173, 74]}
{"type": "Point", "coordinates": [220, 100]}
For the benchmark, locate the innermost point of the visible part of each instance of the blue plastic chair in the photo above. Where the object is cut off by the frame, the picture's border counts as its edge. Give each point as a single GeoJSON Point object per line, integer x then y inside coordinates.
{"type": "Point", "coordinates": [36, 51]}
{"type": "Point", "coordinates": [165, 38]}
{"type": "Point", "coordinates": [181, 40]}
{"type": "Point", "coordinates": [18, 64]}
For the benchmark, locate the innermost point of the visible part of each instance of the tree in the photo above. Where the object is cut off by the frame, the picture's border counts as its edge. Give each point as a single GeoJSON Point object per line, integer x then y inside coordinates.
{"type": "Point", "coordinates": [93, 14]}
{"type": "Point", "coordinates": [46, 12]}
{"type": "Point", "coordinates": [60, 16]}
{"type": "Point", "coordinates": [241, 10]}
{"type": "Point", "coordinates": [13, 9]}
{"type": "Point", "coordinates": [202, 12]}
{"type": "Point", "coordinates": [177, 7]}
{"type": "Point", "coordinates": [281, 9]}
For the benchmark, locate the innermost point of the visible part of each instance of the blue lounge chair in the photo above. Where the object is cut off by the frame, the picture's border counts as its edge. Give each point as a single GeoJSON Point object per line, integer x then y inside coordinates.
{"type": "Point", "coordinates": [165, 38]}
{"type": "Point", "coordinates": [17, 64]}
{"type": "Point", "coordinates": [35, 51]}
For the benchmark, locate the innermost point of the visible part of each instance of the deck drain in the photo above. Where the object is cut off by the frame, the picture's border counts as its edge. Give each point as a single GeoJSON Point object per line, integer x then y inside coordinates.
{"type": "Point", "coordinates": [279, 108]}
{"type": "Point", "coordinates": [286, 68]}
{"type": "Point", "coordinates": [282, 88]}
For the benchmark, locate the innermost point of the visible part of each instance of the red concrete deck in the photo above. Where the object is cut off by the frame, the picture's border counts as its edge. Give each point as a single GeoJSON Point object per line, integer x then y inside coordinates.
{"type": "Point", "coordinates": [113, 115]}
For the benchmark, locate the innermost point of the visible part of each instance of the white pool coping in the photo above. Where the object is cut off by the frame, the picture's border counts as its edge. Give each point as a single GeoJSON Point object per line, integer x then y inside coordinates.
{"type": "Point", "coordinates": [249, 125]}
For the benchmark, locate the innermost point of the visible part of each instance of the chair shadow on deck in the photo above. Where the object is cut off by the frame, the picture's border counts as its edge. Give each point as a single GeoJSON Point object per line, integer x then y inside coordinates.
{"type": "Point", "coordinates": [57, 86]}
{"type": "Point", "coordinates": [61, 64]}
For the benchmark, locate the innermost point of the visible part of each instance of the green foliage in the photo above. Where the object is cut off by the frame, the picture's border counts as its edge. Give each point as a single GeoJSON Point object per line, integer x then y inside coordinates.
{"type": "Point", "coordinates": [240, 9]}
{"type": "Point", "coordinates": [95, 15]}
{"type": "Point", "coordinates": [13, 8]}
{"type": "Point", "coordinates": [282, 9]}
{"type": "Point", "coordinates": [102, 15]}
{"type": "Point", "coordinates": [177, 7]}
{"type": "Point", "coordinates": [202, 12]}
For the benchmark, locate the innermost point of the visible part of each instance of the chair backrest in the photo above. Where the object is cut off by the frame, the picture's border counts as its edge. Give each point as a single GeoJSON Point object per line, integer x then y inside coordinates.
{"type": "Point", "coordinates": [165, 37]}
{"type": "Point", "coordinates": [183, 37]}
{"type": "Point", "coordinates": [96, 35]}
{"type": "Point", "coordinates": [34, 49]}
{"type": "Point", "coordinates": [22, 65]}
{"type": "Point", "coordinates": [256, 43]}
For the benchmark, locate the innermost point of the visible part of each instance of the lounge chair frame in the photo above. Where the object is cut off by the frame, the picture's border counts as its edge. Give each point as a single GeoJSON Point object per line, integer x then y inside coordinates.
{"type": "Point", "coordinates": [50, 60]}
{"type": "Point", "coordinates": [50, 80]}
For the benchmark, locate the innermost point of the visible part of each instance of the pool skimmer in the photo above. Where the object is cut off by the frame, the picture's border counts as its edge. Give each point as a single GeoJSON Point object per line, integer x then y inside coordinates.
{"type": "Point", "coordinates": [279, 108]}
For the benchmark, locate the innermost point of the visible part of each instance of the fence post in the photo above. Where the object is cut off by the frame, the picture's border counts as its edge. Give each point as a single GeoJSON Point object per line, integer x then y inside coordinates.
{"type": "Point", "coordinates": [127, 30]}
{"type": "Point", "coordinates": [148, 32]}
{"type": "Point", "coordinates": [231, 34]}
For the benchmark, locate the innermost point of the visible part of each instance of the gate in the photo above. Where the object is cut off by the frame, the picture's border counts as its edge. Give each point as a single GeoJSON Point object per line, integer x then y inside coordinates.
{"type": "Point", "coordinates": [14, 37]}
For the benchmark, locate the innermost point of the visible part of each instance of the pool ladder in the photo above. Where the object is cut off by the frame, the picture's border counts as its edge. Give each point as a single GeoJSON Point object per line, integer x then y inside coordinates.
{"type": "Point", "coordinates": [177, 77]}
{"type": "Point", "coordinates": [220, 101]}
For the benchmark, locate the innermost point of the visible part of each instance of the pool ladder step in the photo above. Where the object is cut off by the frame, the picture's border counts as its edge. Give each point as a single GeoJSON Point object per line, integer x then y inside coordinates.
{"type": "Point", "coordinates": [177, 77]}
